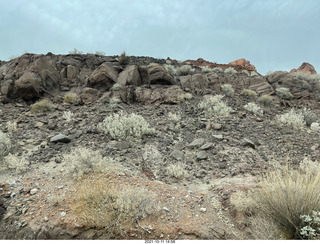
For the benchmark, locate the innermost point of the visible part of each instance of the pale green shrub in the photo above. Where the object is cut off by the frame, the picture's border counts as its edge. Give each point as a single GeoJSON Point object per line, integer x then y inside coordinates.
{"type": "Point", "coordinates": [292, 119]}
{"type": "Point", "coordinates": [315, 127]}
{"type": "Point", "coordinates": [100, 53]}
{"type": "Point", "coordinates": [80, 161]}
{"type": "Point", "coordinates": [284, 93]}
{"type": "Point", "coordinates": [311, 230]}
{"type": "Point", "coordinates": [68, 116]}
{"type": "Point", "coordinates": [214, 106]}
{"type": "Point", "coordinates": [253, 108]}
{"type": "Point", "coordinates": [20, 164]}
{"type": "Point", "coordinates": [174, 117]}
{"type": "Point", "coordinates": [217, 70]}
{"type": "Point", "coordinates": [170, 69]}
{"type": "Point", "coordinates": [122, 126]}
{"type": "Point", "coordinates": [249, 94]}
{"type": "Point", "coordinates": [75, 51]}
{"type": "Point", "coordinates": [5, 144]}
{"type": "Point", "coordinates": [206, 69]}
{"type": "Point", "coordinates": [227, 90]}
{"type": "Point", "coordinates": [184, 70]}
{"type": "Point", "coordinates": [177, 171]}
{"type": "Point", "coordinates": [265, 100]}
{"type": "Point", "coordinates": [12, 126]}
{"type": "Point", "coordinates": [253, 73]}
{"type": "Point", "coordinates": [230, 70]}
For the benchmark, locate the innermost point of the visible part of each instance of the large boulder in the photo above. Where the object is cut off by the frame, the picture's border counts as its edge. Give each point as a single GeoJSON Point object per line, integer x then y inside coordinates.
{"type": "Point", "coordinates": [159, 75]}
{"type": "Point", "coordinates": [28, 86]}
{"type": "Point", "coordinates": [130, 76]}
{"type": "Point", "coordinates": [103, 77]}
{"type": "Point", "coordinates": [197, 84]}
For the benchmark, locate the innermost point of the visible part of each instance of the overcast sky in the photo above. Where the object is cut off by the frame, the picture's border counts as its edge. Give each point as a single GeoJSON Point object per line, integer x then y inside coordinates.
{"type": "Point", "coordinates": [272, 35]}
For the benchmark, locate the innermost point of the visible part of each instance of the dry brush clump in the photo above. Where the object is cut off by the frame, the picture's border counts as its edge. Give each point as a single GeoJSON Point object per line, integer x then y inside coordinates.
{"type": "Point", "coordinates": [266, 100]}
{"type": "Point", "coordinates": [19, 164]}
{"type": "Point", "coordinates": [213, 106]}
{"type": "Point", "coordinates": [177, 171]}
{"type": "Point", "coordinates": [284, 194]}
{"type": "Point", "coordinates": [45, 105]}
{"type": "Point", "coordinates": [123, 126]}
{"type": "Point", "coordinates": [292, 119]}
{"type": "Point", "coordinates": [254, 108]}
{"type": "Point", "coordinates": [71, 98]}
{"type": "Point", "coordinates": [123, 58]}
{"type": "Point", "coordinates": [102, 205]}
{"type": "Point", "coordinates": [284, 93]}
{"type": "Point", "coordinates": [249, 94]}
{"type": "Point", "coordinates": [227, 90]}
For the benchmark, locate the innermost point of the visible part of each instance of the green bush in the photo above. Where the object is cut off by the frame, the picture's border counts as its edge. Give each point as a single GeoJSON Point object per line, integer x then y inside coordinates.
{"type": "Point", "coordinates": [122, 126]}
{"type": "Point", "coordinates": [214, 106]}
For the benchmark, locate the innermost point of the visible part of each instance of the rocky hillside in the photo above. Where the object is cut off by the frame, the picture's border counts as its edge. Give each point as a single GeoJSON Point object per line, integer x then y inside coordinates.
{"type": "Point", "coordinates": [188, 150]}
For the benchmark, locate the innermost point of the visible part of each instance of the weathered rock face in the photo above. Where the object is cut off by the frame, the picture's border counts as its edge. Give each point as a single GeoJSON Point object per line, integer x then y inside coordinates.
{"type": "Point", "coordinates": [103, 77]}
{"type": "Point", "coordinates": [299, 88]}
{"type": "Point", "coordinates": [28, 86]}
{"type": "Point", "coordinates": [305, 67]}
{"type": "Point", "coordinates": [243, 64]}
{"type": "Point", "coordinates": [159, 75]}
{"type": "Point", "coordinates": [130, 76]}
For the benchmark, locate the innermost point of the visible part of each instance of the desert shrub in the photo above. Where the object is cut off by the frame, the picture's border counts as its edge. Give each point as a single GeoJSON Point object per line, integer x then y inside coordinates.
{"type": "Point", "coordinates": [253, 73]}
{"type": "Point", "coordinates": [75, 51]}
{"type": "Point", "coordinates": [187, 96]}
{"type": "Point", "coordinates": [217, 70]}
{"type": "Point", "coordinates": [99, 204]}
{"type": "Point", "coordinates": [270, 72]}
{"type": "Point", "coordinates": [227, 90]}
{"type": "Point", "coordinates": [19, 164]}
{"type": "Point", "coordinates": [68, 116]}
{"type": "Point", "coordinates": [265, 100]}
{"type": "Point", "coordinates": [315, 127]}
{"type": "Point", "coordinates": [116, 87]}
{"type": "Point", "coordinates": [80, 161]}
{"type": "Point", "coordinates": [252, 95]}
{"type": "Point", "coordinates": [42, 106]}
{"type": "Point", "coordinates": [311, 228]}
{"type": "Point", "coordinates": [253, 108]}
{"type": "Point", "coordinates": [123, 59]}
{"type": "Point", "coordinates": [302, 75]}
{"type": "Point", "coordinates": [174, 117]}
{"type": "Point", "coordinates": [170, 69]}
{"type": "Point", "coordinates": [285, 194]}
{"type": "Point", "coordinates": [177, 171]}
{"type": "Point", "coordinates": [123, 126]}
{"type": "Point", "coordinates": [284, 93]}
{"type": "Point", "coordinates": [71, 98]}
{"type": "Point", "coordinates": [230, 70]}
{"type": "Point", "coordinates": [292, 119]}
{"type": "Point", "coordinates": [309, 116]}
{"type": "Point", "coordinates": [100, 53]}
{"type": "Point", "coordinates": [184, 70]}
{"type": "Point", "coordinates": [12, 126]}
{"type": "Point", "coordinates": [205, 69]}
{"type": "Point", "coordinates": [214, 106]}
{"type": "Point", "coordinates": [113, 102]}
{"type": "Point", "coordinates": [5, 144]}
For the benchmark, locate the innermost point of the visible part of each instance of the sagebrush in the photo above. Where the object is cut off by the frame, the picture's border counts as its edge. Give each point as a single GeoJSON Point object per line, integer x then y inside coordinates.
{"type": "Point", "coordinates": [122, 126]}
{"type": "Point", "coordinates": [214, 106]}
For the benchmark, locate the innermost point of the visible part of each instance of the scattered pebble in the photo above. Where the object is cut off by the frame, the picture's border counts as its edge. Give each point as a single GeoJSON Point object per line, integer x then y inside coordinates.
{"type": "Point", "coordinates": [34, 191]}
{"type": "Point", "coordinates": [166, 209]}
{"type": "Point", "coordinates": [63, 214]}
{"type": "Point", "coordinates": [203, 210]}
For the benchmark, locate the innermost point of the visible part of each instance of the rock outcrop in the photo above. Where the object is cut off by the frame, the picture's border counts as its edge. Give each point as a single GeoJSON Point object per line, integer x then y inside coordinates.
{"type": "Point", "coordinates": [242, 64]}
{"type": "Point", "coordinates": [305, 67]}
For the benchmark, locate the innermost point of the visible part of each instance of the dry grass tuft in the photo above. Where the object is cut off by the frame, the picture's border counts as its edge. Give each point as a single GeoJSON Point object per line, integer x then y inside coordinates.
{"type": "Point", "coordinates": [71, 98]}
{"type": "Point", "coordinates": [285, 194]}
{"type": "Point", "coordinates": [101, 205]}
{"type": "Point", "coordinates": [177, 171]}
{"type": "Point", "coordinates": [124, 59]}
{"type": "Point", "coordinates": [42, 106]}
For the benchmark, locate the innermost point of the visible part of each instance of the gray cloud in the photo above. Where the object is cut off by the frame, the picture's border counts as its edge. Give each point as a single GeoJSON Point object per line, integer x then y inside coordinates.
{"type": "Point", "coordinates": [273, 35]}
